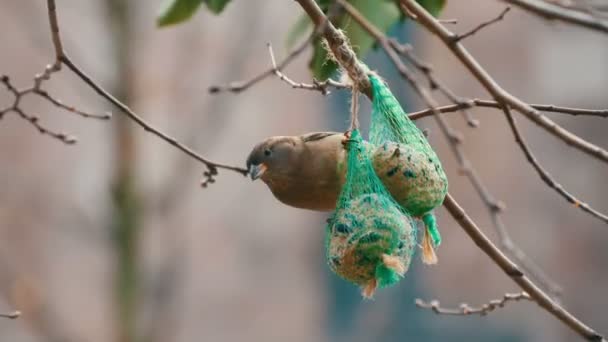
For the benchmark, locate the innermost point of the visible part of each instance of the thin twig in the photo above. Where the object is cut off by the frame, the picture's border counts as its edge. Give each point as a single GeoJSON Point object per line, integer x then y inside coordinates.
{"type": "Point", "coordinates": [603, 113]}
{"type": "Point", "coordinates": [406, 51]}
{"type": "Point", "coordinates": [479, 27]}
{"type": "Point", "coordinates": [552, 12]}
{"type": "Point", "coordinates": [316, 85]}
{"type": "Point", "coordinates": [544, 175]}
{"type": "Point", "coordinates": [499, 95]}
{"type": "Point", "coordinates": [33, 120]}
{"type": "Point", "coordinates": [72, 109]}
{"type": "Point", "coordinates": [497, 92]}
{"type": "Point", "coordinates": [465, 309]}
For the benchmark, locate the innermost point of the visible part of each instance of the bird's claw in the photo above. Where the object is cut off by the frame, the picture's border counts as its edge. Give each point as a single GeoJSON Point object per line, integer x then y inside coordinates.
{"type": "Point", "coordinates": [346, 138]}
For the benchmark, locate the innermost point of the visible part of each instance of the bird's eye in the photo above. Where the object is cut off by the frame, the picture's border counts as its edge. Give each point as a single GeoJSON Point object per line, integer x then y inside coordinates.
{"type": "Point", "coordinates": [267, 152]}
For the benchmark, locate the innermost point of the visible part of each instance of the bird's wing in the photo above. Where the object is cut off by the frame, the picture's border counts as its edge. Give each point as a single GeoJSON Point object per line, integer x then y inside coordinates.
{"type": "Point", "coordinates": [309, 137]}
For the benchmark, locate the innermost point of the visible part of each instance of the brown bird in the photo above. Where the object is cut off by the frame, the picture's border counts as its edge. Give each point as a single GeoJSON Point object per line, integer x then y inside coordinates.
{"type": "Point", "coordinates": [308, 172]}
{"type": "Point", "coordinates": [305, 171]}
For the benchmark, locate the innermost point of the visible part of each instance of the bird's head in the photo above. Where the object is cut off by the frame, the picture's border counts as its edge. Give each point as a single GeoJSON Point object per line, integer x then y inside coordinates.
{"type": "Point", "coordinates": [273, 156]}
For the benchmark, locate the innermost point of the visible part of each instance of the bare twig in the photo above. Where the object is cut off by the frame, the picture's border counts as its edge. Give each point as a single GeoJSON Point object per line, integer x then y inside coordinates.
{"type": "Point", "coordinates": [33, 120]}
{"type": "Point", "coordinates": [465, 309]}
{"type": "Point", "coordinates": [316, 85]}
{"type": "Point", "coordinates": [277, 70]}
{"type": "Point", "coordinates": [511, 269]}
{"type": "Point", "coordinates": [237, 87]}
{"type": "Point", "coordinates": [552, 12]}
{"type": "Point", "coordinates": [603, 113]}
{"type": "Point", "coordinates": [11, 315]}
{"type": "Point", "coordinates": [544, 175]}
{"type": "Point", "coordinates": [479, 27]}
{"type": "Point", "coordinates": [497, 92]}
{"type": "Point", "coordinates": [392, 47]}
{"type": "Point", "coordinates": [62, 58]}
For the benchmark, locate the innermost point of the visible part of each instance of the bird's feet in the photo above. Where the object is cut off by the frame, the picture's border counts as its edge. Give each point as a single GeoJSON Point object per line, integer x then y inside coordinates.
{"type": "Point", "coordinates": [346, 139]}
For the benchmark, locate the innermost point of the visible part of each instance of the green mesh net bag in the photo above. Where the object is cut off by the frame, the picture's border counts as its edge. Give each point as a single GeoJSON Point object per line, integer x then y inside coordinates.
{"type": "Point", "coordinates": [407, 164]}
{"type": "Point", "coordinates": [370, 240]}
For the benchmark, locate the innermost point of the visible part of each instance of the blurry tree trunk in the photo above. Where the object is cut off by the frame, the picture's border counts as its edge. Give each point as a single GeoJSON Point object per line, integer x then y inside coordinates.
{"type": "Point", "coordinates": [126, 212]}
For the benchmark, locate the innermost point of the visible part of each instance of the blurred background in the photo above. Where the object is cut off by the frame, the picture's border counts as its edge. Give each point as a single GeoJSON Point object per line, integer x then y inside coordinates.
{"type": "Point", "coordinates": [113, 240]}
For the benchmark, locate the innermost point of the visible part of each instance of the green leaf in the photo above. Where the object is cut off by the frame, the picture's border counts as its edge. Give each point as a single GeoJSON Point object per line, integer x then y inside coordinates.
{"type": "Point", "coordinates": [176, 11]}
{"type": "Point", "coordinates": [322, 68]}
{"type": "Point", "coordinates": [217, 6]}
{"type": "Point", "coordinates": [382, 14]}
{"type": "Point", "coordinates": [297, 30]}
{"type": "Point", "coordinates": [432, 6]}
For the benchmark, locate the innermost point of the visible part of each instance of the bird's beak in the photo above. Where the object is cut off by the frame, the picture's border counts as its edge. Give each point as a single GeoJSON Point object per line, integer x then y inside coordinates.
{"type": "Point", "coordinates": [256, 171]}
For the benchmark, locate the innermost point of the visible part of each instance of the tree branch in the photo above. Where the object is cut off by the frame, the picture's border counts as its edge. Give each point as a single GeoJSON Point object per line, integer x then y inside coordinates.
{"type": "Point", "coordinates": [497, 92]}
{"type": "Point", "coordinates": [62, 58]}
{"type": "Point", "coordinates": [211, 166]}
{"type": "Point", "coordinates": [316, 85]}
{"type": "Point", "coordinates": [511, 269]}
{"type": "Point", "coordinates": [544, 175]}
{"type": "Point", "coordinates": [34, 120]}
{"type": "Point", "coordinates": [237, 87]}
{"type": "Point", "coordinates": [465, 309]}
{"type": "Point", "coordinates": [481, 26]}
{"type": "Point", "coordinates": [602, 113]}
